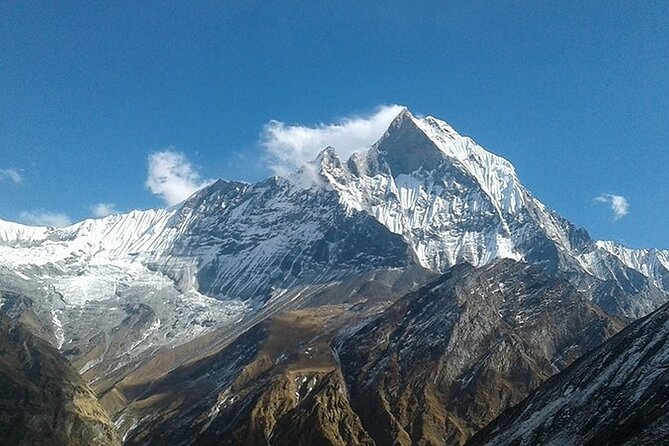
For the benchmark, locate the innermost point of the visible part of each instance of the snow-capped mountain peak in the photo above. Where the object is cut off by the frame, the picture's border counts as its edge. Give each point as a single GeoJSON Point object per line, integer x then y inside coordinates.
{"type": "Point", "coordinates": [113, 237]}
{"type": "Point", "coordinates": [424, 143]}
{"type": "Point", "coordinates": [426, 194]}
{"type": "Point", "coordinates": [423, 180]}
{"type": "Point", "coordinates": [495, 174]}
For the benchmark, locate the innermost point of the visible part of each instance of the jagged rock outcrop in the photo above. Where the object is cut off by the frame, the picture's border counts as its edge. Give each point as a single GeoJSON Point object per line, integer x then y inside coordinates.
{"type": "Point", "coordinates": [617, 394]}
{"type": "Point", "coordinates": [446, 359]}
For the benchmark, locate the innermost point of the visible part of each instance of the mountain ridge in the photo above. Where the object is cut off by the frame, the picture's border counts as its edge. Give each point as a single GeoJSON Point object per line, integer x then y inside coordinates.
{"type": "Point", "coordinates": [616, 395]}
{"type": "Point", "coordinates": [135, 299]}
{"type": "Point", "coordinates": [244, 244]}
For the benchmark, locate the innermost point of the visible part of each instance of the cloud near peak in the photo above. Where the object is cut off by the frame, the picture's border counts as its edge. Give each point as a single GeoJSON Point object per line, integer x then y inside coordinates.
{"type": "Point", "coordinates": [619, 204]}
{"type": "Point", "coordinates": [291, 146]}
{"type": "Point", "coordinates": [172, 177]}
{"type": "Point", "coordinates": [100, 210]}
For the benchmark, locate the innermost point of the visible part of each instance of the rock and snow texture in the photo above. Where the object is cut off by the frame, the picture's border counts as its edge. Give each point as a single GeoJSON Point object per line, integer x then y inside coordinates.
{"type": "Point", "coordinates": [616, 395]}
{"type": "Point", "coordinates": [250, 242]}
{"type": "Point", "coordinates": [106, 239]}
{"type": "Point", "coordinates": [652, 263]}
{"type": "Point", "coordinates": [105, 317]}
{"type": "Point", "coordinates": [452, 201]}
{"type": "Point", "coordinates": [446, 359]}
{"type": "Point", "coordinates": [423, 194]}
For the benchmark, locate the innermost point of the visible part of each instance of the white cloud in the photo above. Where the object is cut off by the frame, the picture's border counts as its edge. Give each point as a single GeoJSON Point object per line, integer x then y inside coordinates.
{"type": "Point", "coordinates": [44, 218]}
{"type": "Point", "coordinates": [100, 210]}
{"type": "Point", "coordinates": [11, 174]}
{"type": "Point", "coordinates": [291, 146]}
{"type": "Point", "coordinates": [619, 204]}
{"type": "Point", "coordinates": [172, 177]}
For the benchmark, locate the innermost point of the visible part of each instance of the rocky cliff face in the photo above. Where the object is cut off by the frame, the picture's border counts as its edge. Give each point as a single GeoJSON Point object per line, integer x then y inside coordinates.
{"type": "Point", "coordinates": [433, 368]}
{"type": "Point", "coordinates": [276, 384]}
{"type": "Point", "coordinates": [440, 363]}
{"type": "Point", "coordinates": [43, 400]}
{"type": "Point", "coordinates": [616, 395]}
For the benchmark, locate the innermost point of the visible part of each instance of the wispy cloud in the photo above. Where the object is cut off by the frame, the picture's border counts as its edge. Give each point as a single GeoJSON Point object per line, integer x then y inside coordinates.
{"type": "Point", "coordinates": [291, 146]}
{"type": "Point", "coordinates": [619, 204]}
{"type": "Point", "coordinates": [100, 210]}
{"type": "Point", "coordinates": [172, 177]}
{"type": "Point", "coordinates": [11, 174]}
{"type": "Point", "coordinates": [45, 218]}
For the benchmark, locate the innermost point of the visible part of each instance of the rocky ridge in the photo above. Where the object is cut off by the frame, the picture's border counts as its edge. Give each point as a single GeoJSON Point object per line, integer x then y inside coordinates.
{"type": "Point", "coordinates": [616, 395]}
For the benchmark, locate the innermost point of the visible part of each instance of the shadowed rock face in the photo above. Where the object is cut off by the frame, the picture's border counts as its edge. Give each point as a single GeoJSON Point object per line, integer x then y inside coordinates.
{"type": "Point", "coordinates": [431, 369]}
{"type": "Point", "coordinates": [616, 395]}
{"type": "Point", "coordinates": [248, 241]}
{"type": "Point", "coordinates": [445, 360]}
{"type": "Point", "coordinates": [43, 400]}
{"type": "Point", "coordinates": [276, 384]}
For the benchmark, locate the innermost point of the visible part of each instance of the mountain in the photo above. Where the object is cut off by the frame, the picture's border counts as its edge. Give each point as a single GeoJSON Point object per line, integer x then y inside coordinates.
{"type": "Point", "coordinates": [440, 363]}
{"type": "Point", "coordinates": [132, 298]}
{"type": "Point", "coordinates": [652, 263]}
{"type": "Point", "coordinates": [616, 395]}
{"type": "Point", "coordinates": [423, 194]}
{"type": "Point", "coordinates": [434, 367]}
{"type": "Point", "coordinates": [455, 202]}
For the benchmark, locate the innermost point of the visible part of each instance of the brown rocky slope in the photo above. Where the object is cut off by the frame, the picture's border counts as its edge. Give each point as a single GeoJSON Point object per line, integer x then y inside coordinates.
{"type": "Point", "coordinates": [43, 400]}
{"type": "Point", "coordinates": [432, 369]}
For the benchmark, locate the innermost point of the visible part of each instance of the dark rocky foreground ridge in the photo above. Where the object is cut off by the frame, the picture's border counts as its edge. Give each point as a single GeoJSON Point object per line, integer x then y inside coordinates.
{"type": "Point", "coordinates": [616, 395]}
{"type": "Point", "coordinates": [434, 367]}
{"type": "Point", "coordinates": [43, 400]}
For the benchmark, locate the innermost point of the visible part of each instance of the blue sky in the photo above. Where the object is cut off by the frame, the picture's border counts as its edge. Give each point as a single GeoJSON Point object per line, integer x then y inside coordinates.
{"type": "Point", "coordinates": [574, 93]}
